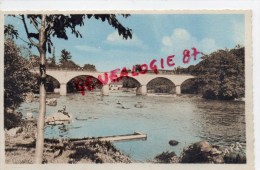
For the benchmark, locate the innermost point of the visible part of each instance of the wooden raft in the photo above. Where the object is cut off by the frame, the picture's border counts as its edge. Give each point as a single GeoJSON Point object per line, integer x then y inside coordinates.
{"type": "Point", "coordinates": [127, 137]}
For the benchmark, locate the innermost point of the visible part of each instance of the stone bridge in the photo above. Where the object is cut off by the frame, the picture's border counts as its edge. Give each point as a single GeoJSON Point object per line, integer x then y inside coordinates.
{"type": "Point", "coordinates": [63, 76]}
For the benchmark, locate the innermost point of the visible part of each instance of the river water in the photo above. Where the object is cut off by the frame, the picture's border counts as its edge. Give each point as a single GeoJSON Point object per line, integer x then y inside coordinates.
{"type": "Point", "coordinates": [186, 118]}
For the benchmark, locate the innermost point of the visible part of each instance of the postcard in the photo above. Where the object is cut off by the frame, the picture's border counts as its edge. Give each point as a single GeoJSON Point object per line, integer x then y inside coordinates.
{"type": "Point", "coordinates": [127, 89]}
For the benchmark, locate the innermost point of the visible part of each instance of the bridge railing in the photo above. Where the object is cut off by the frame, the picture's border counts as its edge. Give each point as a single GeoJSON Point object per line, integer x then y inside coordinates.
{"type": "Point", "coordinates": [65, 69]}
{"type": "Point", "coordinates": [164, 72]}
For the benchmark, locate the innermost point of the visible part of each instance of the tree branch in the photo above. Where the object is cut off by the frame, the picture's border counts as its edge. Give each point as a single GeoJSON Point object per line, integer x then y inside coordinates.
{"type": "Point", "coordinates": [24, 40]}
{"type": "Point", "coordinates": [18, 17]}
{"type": "Point", "coordinates": [37, 21]}
{"type": "Point", "coordinates": [27, 32]}
{"type": "Point", "coordinates": [34, 24]}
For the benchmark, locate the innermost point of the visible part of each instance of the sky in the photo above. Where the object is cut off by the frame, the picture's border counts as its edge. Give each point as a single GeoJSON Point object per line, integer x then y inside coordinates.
{"type": "Point", "coordinates": [155, 36]}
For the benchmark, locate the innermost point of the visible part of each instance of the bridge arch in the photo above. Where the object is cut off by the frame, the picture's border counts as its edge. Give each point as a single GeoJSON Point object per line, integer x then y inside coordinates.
{"type": "Point", "coordinates": [190, 86]}
{"type": "Point", "coordinates": [83, 83]}
{"type": "Point", "coordinates": [161, 85]}
{"type": "Point", "coordinates": [125, 82]}
{"type": "Point", "coordinates": [64, 76]}
{"type": "Point", "coordinates": [52, 83]}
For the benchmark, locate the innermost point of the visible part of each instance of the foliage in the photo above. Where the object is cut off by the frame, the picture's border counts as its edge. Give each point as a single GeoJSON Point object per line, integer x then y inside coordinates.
{"type": "Point", "coordinates": [12, 119]}
{"type": "Point", "coordinates": [65, 56]}
{"type": "Point", "coordinates": [69, 64]}
{"type": "Point", "coordinates": [56, 26]}
{"type": "Point", "coordinates": [51, 62]}
{"type": "Point", "coordinates": [10, 31]}
{"type": "Point", "coordinates": [17, 77]}
{"type": "Point", "coordinates": [17, 81]}
{"type": "Point", "coordinates": [89, 67]}
{"type": "Point", "coordinates": [220, 75]}
{"type": "Point", "coordinates": [48, 26]}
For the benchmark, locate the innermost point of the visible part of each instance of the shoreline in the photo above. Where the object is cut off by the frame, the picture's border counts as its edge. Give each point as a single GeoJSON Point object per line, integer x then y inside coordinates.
{"type": "Point", "coordinates": [23, 143]}
{"type": "Point", "coordinates": [96, 151]}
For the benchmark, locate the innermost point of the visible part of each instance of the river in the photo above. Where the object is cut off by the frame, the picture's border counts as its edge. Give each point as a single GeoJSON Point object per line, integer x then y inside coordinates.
{"type": "Point", "coordinates": [185, 118]}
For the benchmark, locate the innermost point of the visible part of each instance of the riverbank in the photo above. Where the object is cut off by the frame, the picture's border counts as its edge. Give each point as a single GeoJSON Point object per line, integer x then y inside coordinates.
{"type": "Point", "coordinates": [22, 142]}
{"type": "Point", "coordinates": [204, 152]}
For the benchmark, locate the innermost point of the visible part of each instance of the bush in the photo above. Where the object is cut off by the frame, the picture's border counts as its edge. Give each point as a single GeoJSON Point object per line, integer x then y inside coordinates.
{"type": "Point", "coordinates": [167, 157]}
{"type": "Point", "coordinates": [12, 119]}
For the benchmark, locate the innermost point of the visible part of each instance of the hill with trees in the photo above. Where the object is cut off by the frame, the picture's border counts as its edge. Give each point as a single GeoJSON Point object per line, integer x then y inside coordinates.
{"type": "Point", "coordinates": [220, 75]}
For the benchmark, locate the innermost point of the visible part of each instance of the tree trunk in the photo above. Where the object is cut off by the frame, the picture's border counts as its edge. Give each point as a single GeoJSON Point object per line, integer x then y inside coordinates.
{"type": "Point", "coordinates": [42, 107]}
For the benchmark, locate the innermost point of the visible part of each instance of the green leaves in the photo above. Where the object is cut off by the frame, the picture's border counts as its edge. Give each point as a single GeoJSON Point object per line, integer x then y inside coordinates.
{"type": "Point", "coordinates": [220, 75]}
{"type": "Point", "coordinates": [65, 56]}
{"type": "Point", "coordinates": [17, 78]}
{"type": "Point", "coordinates": [58, 25]}
{"type": "Point", "coordinates": [223, 74]}
{"type": "Point", "coordinates": [89, 67]}
{"type": "Point", "coordinates": [10, 31]}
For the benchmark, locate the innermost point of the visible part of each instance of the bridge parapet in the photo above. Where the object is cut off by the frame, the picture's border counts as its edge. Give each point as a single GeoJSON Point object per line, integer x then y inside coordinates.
{"type": "Point", "coordinates": [65, 75]}
{"type": "Point", "coordinates": [160, 72]}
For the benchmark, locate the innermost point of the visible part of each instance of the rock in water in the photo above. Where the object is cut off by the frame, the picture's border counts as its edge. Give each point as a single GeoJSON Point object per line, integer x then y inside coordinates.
{"type": "Point", "coordinates": [202, 152]}
{"type": "Point", "coordinates": [29, 115]}
{"type": "Point", "coordinates": [139, 105]}
{"type": "Point", "coordinates": [58, 118]}
{"type": "Point", "coordinates": [173, 142]}
{"type": "Point", "coordinates": [51, 102]}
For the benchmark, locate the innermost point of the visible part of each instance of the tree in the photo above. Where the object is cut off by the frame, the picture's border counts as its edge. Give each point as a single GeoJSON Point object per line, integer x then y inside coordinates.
{"type": "Point", "coordinates": [69, 64]}
{"type": "Point", "coordinates": [17, 77]}
{"type": "Point", "coordinates": [65, 60]}
{"type": "Point", "coordinates": [89, 67]}
{"type": "Point", "coordinates": [224, 76]}
{"type": "Point", "coordinates": [17, 80]}
{"type": "Point", "coordinates": [220, 75]}
{"type": "Point", "coordinates": [46, 27]}
{"type": "Point", "coordinates": [65, 56]}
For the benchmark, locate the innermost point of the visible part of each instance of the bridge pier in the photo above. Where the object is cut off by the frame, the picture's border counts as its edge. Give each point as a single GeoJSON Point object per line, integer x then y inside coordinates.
{"type": "Point", "coordinates": [105, 90]}
{"type": "Point", "coordinates": [63, 89]}
{"type": "Point", "coordinates": [178, 89]}
{"type": "Point", "coordinates": [141, 90]}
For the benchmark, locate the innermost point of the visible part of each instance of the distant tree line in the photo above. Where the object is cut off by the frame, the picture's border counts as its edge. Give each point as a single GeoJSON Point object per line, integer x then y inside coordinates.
{"type": "Point", "coordinates": [65, 62]}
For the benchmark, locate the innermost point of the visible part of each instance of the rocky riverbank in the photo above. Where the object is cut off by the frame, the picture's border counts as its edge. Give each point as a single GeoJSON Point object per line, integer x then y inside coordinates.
{"type": "Point", "coordinates": [20, 141]}
{"type": "Point", "coordinates": [20, 149]}
{"type": "Point", "coordinates": [204, 152]}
